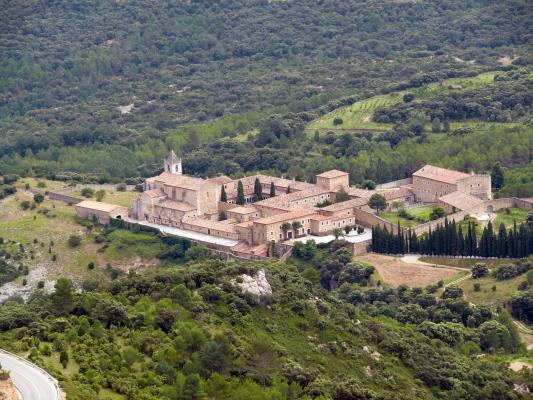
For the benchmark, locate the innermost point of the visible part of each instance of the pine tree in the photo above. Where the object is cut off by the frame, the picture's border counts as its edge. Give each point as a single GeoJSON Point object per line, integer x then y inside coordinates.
{"type": "Point", "coordinates": [223, 195]}
{"type": "Point", "coordinates": [272, 189]}
{"type": "Point", "coordinates": [240, 194]}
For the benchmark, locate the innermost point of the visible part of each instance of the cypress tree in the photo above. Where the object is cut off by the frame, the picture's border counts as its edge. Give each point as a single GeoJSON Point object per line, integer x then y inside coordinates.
{"type": "Point", "coordinates": [258, 190]}
{"type": "Point", "coordinates": [223, 195]}
{"type": "Point", "coordinates": [272, 189]}
{"type": "Point", "coordinates": [288, 189]}
{"type": "Point", "coordinates": [502, 241]}
{"type": "Point", "coordinates": [240, 194]}
{"type": "Point", "coordinates": [460, 241]}
{"type": "Point", "coordinates": [474, 240]}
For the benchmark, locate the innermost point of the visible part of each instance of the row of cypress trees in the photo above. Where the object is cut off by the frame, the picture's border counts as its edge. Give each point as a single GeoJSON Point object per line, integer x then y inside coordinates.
{"type": "Point", "coordinates": [450, 239]}
{"type": "Point", "coordinates": [258, 191]}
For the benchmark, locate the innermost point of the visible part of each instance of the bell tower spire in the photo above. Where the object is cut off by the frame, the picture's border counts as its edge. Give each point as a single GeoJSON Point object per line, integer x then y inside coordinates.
{"type": "Point", "coordinates": [173, 164]}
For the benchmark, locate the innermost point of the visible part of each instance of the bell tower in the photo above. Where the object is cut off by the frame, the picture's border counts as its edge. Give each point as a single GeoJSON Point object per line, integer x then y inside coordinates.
{"type": "Point", "coordinates": [173, 164]}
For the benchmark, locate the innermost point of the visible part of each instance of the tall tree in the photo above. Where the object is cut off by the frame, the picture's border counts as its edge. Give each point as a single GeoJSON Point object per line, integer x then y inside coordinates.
{"type": "Point", "coordinates": [240, 194]}
{"type": "Point", "coordinates": [223, 195]}
{"type": "Point", "coordinates": [258, 190]}
{"type": "Point", "coordinates": [272, 189]}
{"type": "Point", "coordinates": [63, 296]}
{"type": "Point", "coordinates": [496, 176]}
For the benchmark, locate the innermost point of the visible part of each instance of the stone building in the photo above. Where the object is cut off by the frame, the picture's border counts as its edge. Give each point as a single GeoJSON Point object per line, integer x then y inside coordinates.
{"type": "Point", "coordinates": [430, 183]}
{"type": "Point", "coordinates": [333, 179]}
{"type": "Point", "coordinates": [295, 209]}
{"type": "Point", "coordinates": [103, 212]}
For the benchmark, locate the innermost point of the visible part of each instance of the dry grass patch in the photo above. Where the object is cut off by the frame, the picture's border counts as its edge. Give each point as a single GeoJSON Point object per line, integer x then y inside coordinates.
{"type": "Point", "coordinates": [395, 272]}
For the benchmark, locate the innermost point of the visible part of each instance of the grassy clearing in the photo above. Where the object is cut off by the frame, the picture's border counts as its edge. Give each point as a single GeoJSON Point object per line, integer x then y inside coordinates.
{"type": "Point", "coordinates": [418, 212]}
{"type": "Point", "coordinates": [504, 290]}
{"type": "Point", "coordinates": [50, 222]}
{"type": "Point", "coordinates": [508, 216]}
{"type": "Point", "coordinates": [126, 244]}
{"type": "Point", "coordinates": [120, 198]}
{"type": "Point", "coordinates": [463, 262]}
{"type": "Point", "coordinates": [54, 222]}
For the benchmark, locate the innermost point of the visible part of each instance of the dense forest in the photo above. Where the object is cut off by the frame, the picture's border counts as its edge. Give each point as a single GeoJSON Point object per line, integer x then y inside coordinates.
{"type": "Point", "coordinates": [68, 67]}
{"type": "Point", "coordinates": [329, 330]}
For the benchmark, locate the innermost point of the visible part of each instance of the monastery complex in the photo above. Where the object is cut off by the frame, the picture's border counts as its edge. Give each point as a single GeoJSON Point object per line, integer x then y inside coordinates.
{"type": "Point", "coordinates": [287, 209]}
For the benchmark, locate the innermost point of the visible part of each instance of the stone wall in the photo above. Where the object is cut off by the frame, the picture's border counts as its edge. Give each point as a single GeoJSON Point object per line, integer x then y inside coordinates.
{"type": "Point", "coordinates": [367, 218]}
{"type": "Point", "coordinates": [64, 198]}
{"type": "Point", "coordinates": [395, 184]}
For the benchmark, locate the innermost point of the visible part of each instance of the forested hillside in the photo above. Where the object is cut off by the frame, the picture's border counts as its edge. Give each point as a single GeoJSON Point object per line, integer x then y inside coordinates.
{"type": "Point", "coordinates": [328, 331]}
{"type": "Point", "coordinates": [67, 67]}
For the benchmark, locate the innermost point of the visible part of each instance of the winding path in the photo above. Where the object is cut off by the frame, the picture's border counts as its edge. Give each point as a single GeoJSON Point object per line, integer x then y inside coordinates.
{"type": "Point", "coordinates": [33, 382]}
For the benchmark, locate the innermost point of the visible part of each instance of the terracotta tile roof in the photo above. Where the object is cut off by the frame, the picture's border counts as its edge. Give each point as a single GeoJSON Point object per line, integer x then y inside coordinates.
{"type": "Point", "coordinates": [288, 200]}
{"type": "Point", "coordinates": [176, 205]}
{"type": "Point", "coordinates": [440, 174]}
{"type": "Point", "coordinates": [154, 193]}
{"type": "Point", "coordinates": [333, 173]}
{"type": "Point", "coordinates": [396, 193]}
{"type": "Point", "coordinates": [220, 180]}
{"type": "Point", "coordinates": [98, 206]}
{"type": "Point", "coordinates": [319, 217]}
{"type": "Point", "coordinates": [246, 224]}
{"type": "Point", "coordinates": [344, 205]}
{"type": "Point", "coordinates": [242, 210]}
{"type": "Point", "coordinates": [181, 181]}
{"type": "Point", "coordinates": [281, 182]}
{"type": "Point", "coordinates": [459, 200]}
{"type": "Point", "coordinates": [356, 192]}
{"type": "Point", "coordinates": [288, 216]}
{"type": "Point", "coordinates": [216, 225]}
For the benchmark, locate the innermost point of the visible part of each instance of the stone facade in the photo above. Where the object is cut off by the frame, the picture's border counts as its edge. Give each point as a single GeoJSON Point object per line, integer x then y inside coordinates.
{"type": "Point", "coordinates": [430, 183]}
{"type": "Point", "coordinates": [103, 212]}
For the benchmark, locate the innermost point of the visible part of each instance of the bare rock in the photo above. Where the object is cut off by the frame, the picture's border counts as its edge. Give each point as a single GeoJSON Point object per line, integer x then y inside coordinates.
{"type": "Point", "coordinates": [256, 284]}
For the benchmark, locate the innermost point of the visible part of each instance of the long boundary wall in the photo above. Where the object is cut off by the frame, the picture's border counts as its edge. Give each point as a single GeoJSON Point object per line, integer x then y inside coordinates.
{"type": "Point", "coordinates": [63, 194]}
{"type": "Point", "coordinates": [395, 184]}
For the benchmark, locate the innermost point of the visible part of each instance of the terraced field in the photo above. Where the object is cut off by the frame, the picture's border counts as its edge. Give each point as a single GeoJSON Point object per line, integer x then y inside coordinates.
{"type": "Point", "coordinates": [358, 116]}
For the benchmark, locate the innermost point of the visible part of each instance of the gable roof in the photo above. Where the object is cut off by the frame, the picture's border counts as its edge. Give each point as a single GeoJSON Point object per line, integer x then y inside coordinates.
{"type": "Point", "coordinates": [221, 180]}
{"type": "Point", "coordinates": [440, 174]}
{"type": "Point", "coordinates": [181, 181]}
{"type": "Point", "coordinates": [332, 173]}
{"type": "Point", "coordinates": [459, 200]}
{"type": "Point", "coordinates": [176, 205]}
{"type": "Point", "coordinates": [285, 216]}
{"type": "Point", "coordinates": [154, 193]}
{"type": "Point", "coordinates": [98, 206]}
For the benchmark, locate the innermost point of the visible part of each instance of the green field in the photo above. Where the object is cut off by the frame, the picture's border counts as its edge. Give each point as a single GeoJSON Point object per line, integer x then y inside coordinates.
{"type": "Point", "coordinates": [113, 197]}
{"type": "Point", "coordinates": [359, 114]}
{"type": "Point", "coordinates": [508, 216]}
{"type": "Point", "coordinates": [504, 290]}
{"type": "Point", "coordinates": [418, 212]}
{"type": "Point", "coordinates": [463, 262]}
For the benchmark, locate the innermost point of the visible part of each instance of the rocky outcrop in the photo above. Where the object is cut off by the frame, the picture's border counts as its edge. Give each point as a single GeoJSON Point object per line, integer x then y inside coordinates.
{"type": "Point", "coordinates": [8, 391]}
{"type": "Point", "coordinates": [256, 285]}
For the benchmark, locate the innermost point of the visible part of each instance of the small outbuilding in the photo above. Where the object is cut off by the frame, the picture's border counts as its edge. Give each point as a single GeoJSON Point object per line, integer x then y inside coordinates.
{"type": "Point", "coordinates": [102, 211]}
